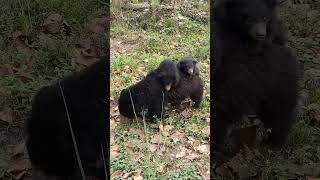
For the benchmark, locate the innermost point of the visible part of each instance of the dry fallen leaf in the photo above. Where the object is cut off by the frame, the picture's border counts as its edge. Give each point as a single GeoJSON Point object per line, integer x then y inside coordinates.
{"type": "Point", "coordinates": [138, 156]}
{"type": "Point", "coordinates": [245, 165]}
{"type": "Point", "coordinates": [112, 141]}
{"type": "Point", "coordinates": [173, 45]}
{"type": "Point", "coordinates": [21, 42]}
{"type": "Point", "coordinates": [168, 127]}
{"type": "Point", "coordinates": [4, 71]}
{"type": "Point", "coordinates": [191, 140]}
{"type": "Point", "coordinates": [25, 78]}
{"type": "Point", "coordinates": [129, 149]}
{"type": "Point", "coordinates": [44, 37]}
{"type": "Point", "coordinates": [193, 156]}
{"type": "Point", "coordinates": [52, 23]}
{"type": "Point", "coordinates": [18, 164]}
{"type": "Point", "coordinates": [187, 113]}
{"type": "Point", "coordinates": [17, 171]}
{"type": "Point", "coordinates": [203, 172]}
{"type": "Point", "coordinates": [180, 154]}
{"type": "Point", "coordinates": [66, 27]}
{"type": "Point", "coordinates": [126, 175]}
{"type": "Point", "coordinates": [116, 174]}
{"type": "Point", "coordinates": [161, 168]}
{"type": "Point", "coordinates": [137, 177]}
{"type": "Point", "coordinates": [313, 111]}
{"type": "Point", "coordinates": [99, 25]}
{"type": "Point", "coordinates": [165, 130]}
{"type": "Point", "coordinates": [203, 149]}
{"type": "Point", "coordinates": [19, 149]}
{"type": "Point", "coordinates": [206, 130]}
{"type": "Point", "coordinates": [113, 124]}
{"type": "Point", "coordinates": [6, 115]}
{"type": "Point", "coordinates": [312, 170]}
{"type": "Point", "coordinates": [177, 136]}
{"type": "Point", "coordinates": [153, 148]}
{"type": "Point", "coordinates": [127, 69]}
{"type": "Point", "coordinates": [55, 23]}
{"type": "Point", "coordinates": [114, 151]}
{"type": "Point", "coordinates": [86, 53]}
{"type": "Point", "coordinates": [312, 79]}
{"type": "Point", "coordinates": [141, 146]}
{"type": "Point", "coordinates": [154, 139]}
{"type": "Point", "coordinates": [161, 127]}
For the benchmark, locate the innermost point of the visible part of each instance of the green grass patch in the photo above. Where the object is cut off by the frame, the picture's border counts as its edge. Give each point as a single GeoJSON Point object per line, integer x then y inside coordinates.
{"type": "Point", "coordinates": [160, 37]}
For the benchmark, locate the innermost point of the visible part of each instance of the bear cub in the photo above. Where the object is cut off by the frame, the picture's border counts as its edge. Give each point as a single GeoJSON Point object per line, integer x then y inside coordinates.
{"type": "Point", "coordinates": [189, 86]}
{"type": "Point", "coordinates": [147, 95]}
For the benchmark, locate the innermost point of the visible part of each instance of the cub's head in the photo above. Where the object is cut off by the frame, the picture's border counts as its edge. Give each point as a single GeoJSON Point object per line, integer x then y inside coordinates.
{"type": "Point", "coordinates": [247, 17]}
{"type": "Point", "coordinates": [188, 66]}
{"type": "Point", "coordinates": [168, 74]}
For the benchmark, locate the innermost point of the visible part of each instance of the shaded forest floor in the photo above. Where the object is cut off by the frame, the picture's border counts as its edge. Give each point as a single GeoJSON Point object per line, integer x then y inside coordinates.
{"type": "Point", "coordinates": [40, 42]}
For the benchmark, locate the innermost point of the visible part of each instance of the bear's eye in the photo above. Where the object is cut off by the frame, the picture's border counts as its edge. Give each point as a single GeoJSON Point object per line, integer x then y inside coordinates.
{"type": "Point", "coordinates": [265, 19]}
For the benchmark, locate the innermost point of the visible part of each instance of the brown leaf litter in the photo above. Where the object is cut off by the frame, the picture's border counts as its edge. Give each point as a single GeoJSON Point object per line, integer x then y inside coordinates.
{"type": "Point", "coordinates": [86, 53]}
{"type": "Point", "coordinates": [313, 111]}
{"type": "Point", "coordinates": [7, 115]}
{"type": "Point", "coordinates": [21, 41]}
{"type": "Point", "coordinates": [19, 164]}
{"type": "Point", "coordinates": [55, 24]}
{"type": "Point", "coordinates": [247, 164]}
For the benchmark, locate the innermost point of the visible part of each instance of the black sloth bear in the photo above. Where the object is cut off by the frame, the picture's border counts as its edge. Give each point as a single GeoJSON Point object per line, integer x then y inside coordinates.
{"type": "Point", "coordinates": [187, 65]}
{"type": "Point", "coordinates": [148, 94]}
{"type": "Point", "coordinates": [253, 74]}
{"type": "Point", "coordinates": [49, 143]}
{"type": "Point", "coordinates": [254, 20]}
{"type": "Point", "coordinates": [190, 84]}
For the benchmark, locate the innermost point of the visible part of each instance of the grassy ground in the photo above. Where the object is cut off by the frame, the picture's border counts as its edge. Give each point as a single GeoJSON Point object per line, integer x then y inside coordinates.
{"type": "Point", "coordinates": [31, 57]}
{"type": "Point", "coordinates": [178, 146]}
{"type": "Point", "coordinates": [302, 153]}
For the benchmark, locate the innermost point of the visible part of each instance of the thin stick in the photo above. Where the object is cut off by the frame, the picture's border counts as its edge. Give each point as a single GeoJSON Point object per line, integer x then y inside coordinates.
{"type": "Point", "coordinates": [134, 110]}
{"type": "Point", "coordinates": [72, 136]}
{"type": "Point", "coordinates": [160, 135]}
{"type": "Point", "coordinates": [133, 105]}
{"type": "Point", "coordinates": [104, 163]}
{"type": "Point", "coordinates": [162, 104]}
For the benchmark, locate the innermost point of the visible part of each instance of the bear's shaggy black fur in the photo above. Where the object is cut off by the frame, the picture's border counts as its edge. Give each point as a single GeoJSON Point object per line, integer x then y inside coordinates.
{"type": "Point", "coordinates": [189, 86]}
{"type": "Point", "coordinates": [147, 94]}
{"type": "Point", "coordinates": [254, 20]}
{"type": "Point", "coordinates": [49, 142]}
{"type": "Point", "coordinates": [187, 65]}
{"type": "Point", "coordinates": [252, 74]}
